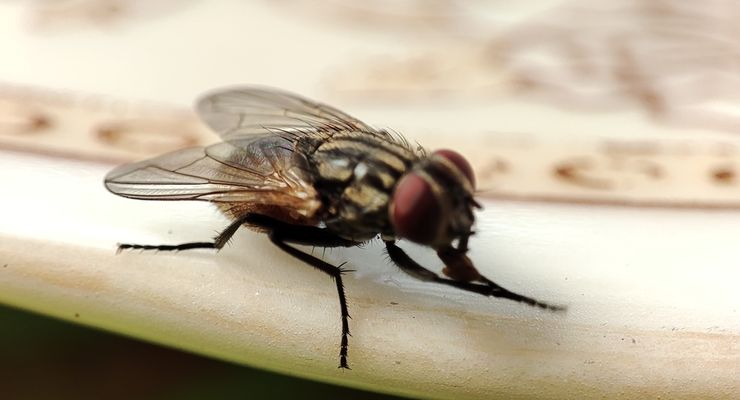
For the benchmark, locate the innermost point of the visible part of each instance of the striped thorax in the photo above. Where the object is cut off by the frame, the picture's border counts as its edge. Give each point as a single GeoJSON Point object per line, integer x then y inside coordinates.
{"type": "Point", "coordinates": [374, 184]}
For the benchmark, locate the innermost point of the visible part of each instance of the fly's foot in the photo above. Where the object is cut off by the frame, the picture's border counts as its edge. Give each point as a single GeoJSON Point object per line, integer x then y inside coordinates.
{"type": "Point", "coordinates": [458, 266]}
{"type": "Point", "coordinates": [496, 290]}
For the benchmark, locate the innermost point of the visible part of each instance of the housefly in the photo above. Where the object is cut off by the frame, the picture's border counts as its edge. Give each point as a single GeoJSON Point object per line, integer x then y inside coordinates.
{"type": "Point", "coordinates": [305, 173]}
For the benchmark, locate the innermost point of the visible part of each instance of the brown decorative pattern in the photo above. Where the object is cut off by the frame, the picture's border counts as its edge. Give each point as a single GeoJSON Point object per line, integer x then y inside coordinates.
{"type": "Point", "coordinates": [640, 173]}
{"type": "Point", "coordinates": [19, 119]}
{"type": "Point", "coordinates": [724, 175]}
{"type": "Point", "coordinates": [654, 173]}
{"type": "Point", "coordinates": [146, 135]}
{"type": "Point", "coordinates": [95, 128]}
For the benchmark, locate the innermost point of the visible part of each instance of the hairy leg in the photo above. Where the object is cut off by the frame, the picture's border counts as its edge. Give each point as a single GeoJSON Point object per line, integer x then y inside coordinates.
{"type": "Point", "coordinates": [217, 243]}
{"type": "Point", "coordinates": [488, 288]}
{"type": "Point", "coordinates": [282, 233]}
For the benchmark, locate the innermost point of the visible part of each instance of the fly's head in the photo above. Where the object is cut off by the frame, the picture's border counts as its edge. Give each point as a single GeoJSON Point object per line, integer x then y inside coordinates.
{"type": "Point", "coordinates": [433, 205]}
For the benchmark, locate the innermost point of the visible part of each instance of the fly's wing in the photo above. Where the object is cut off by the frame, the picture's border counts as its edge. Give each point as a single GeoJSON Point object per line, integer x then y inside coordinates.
{"type": "Point", "coordinates": [240, 112]}
{"type": "Point", "coordinates": [259, 170]}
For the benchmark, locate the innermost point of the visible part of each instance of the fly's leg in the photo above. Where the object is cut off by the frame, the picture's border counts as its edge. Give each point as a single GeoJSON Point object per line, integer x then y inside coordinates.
{"type": "Point", "coordinates": [308, 235]}
{"type": "Point", "coordinates": [497, 291]}
{"type": "Point", "coordinates": [217, 243]}
{"type": "Point", "coordinates": [281, 233]}
{"type": "Point", "coordinates": [336, 274]}
{"type": "Point", "coordinates": [488, 288]}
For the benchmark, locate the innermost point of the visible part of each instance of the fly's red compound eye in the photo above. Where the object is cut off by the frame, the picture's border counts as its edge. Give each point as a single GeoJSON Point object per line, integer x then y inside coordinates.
{"type": "Point", "coordinates": [460, 162]}
{"type": "Point", "coordinates": [415, 211]}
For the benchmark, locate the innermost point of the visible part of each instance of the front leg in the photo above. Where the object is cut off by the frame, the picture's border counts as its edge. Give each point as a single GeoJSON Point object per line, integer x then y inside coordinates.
{"type": "Point", "coordinates": [488, 288]}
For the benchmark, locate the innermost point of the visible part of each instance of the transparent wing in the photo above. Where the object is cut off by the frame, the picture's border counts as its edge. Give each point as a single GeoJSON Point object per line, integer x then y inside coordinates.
{"type": "Point", "coordinates": [238, 112]}
{"type": "Point", "coordinates": [257, 170]}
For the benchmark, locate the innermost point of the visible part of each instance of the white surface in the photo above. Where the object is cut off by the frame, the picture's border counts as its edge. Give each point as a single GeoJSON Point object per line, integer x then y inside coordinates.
{"type": "Point", "coordinates": [644, 288]}
{"type": "Point", "coordinates": [653, 269]}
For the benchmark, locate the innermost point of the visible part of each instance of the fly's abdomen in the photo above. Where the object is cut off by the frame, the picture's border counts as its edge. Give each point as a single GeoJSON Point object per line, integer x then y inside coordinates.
{"type": "Point", "coordinates": [355, 173]}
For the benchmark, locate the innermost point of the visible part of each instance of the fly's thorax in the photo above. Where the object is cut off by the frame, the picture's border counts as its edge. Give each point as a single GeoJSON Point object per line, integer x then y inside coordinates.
{"type": "Point", "coordinates": [433, 203]}
{"type": "Point", "coordinates": [355, 173]}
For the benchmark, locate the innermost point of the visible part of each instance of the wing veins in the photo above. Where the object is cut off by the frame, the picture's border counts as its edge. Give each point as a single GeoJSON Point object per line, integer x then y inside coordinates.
{"type": "Point", "coordinates": [247, 111]}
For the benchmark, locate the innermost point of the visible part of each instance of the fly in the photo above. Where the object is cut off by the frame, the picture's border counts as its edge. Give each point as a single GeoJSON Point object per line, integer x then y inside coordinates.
{"type": "Point", "coordinates": [305, 173]}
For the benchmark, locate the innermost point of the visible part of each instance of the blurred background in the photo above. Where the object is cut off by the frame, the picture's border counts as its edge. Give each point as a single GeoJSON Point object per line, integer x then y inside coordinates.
{"type": "Point", "coordinates": [626, 102]}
